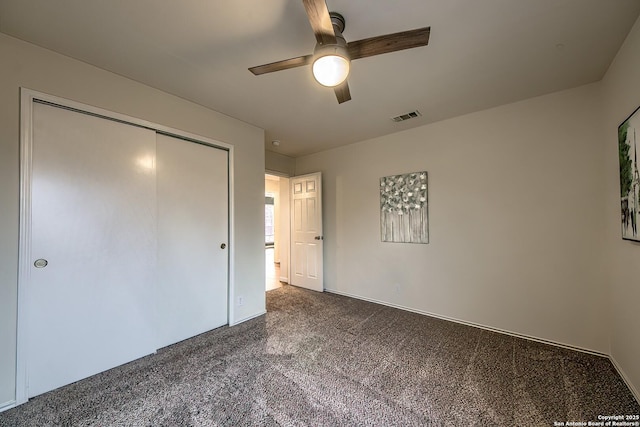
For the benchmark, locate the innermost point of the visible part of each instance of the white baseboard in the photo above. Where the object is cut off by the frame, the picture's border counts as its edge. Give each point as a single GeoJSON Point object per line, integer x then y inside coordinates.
{"type": "Point", "coordinates": [284, 279]}
{"type": "Point", "coordinates": [7, 405]}
{"type": "Point", "coordinates": [253, 316]}
{"type": "Point", "coordinates": [475, 325]}
{"type": "Point", "coordinates": [634, 391]}
{"type": "Point", "coordinates": [625, 378]}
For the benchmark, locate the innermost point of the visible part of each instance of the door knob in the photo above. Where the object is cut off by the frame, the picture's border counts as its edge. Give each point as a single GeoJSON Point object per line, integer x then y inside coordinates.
{"type": "Point", "coordinates": [41, 263]}
{"type": "Point", "coordinates": [319, 238]}
{"type": "Point", "coordinates": [222, 246]}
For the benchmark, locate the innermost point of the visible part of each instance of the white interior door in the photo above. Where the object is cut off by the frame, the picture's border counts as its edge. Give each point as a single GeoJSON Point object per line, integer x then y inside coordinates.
{"type": "Point", "coordinates": [94, 222]}
{"type": "Point", "coordinates": [192, 238]}
{"type": "Point", "coordinates": [306, 231]}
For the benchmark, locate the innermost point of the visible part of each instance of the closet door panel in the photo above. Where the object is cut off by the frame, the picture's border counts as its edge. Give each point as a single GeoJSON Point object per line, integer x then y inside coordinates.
{"type": "Point", "coordinates": [91, 307]}
{"type": "Point", "coordinates": [193, 227]}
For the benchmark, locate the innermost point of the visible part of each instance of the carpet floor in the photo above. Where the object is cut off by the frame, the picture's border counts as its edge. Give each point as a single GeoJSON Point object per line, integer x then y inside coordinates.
{"type": "Point", "coordinates": [319, 359]}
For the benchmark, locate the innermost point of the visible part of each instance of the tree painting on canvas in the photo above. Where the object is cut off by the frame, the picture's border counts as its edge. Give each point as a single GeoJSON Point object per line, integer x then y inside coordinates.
{"type": "Point", "coordinates": [629, 178]}
{"type": "Point", "coordinates": [404, 214]}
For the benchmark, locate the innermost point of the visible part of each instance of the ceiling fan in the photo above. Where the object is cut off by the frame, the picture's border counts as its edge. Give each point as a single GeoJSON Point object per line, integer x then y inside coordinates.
{"type": "Point", "coordinates": [332, 55]}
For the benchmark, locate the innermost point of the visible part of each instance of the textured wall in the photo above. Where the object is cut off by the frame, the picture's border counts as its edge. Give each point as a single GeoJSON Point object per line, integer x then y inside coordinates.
{"type": "Point", "coordinates": [621, 90]}
{"type": "Point", "coordinates": [515, 219]}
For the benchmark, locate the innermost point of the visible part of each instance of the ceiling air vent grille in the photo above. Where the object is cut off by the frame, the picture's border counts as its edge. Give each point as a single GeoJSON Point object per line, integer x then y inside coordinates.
{"type": "Point", "coordinates": [407, 116]}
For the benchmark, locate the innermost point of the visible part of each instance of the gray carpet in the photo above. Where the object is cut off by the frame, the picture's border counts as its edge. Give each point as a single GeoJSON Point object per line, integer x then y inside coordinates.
{"type": "Point", "coordinates": [327, 360]}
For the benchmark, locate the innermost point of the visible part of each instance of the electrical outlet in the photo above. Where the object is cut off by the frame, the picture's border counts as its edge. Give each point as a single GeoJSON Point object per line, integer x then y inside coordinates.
{"type": "Point", "coordinates": [240, 300]}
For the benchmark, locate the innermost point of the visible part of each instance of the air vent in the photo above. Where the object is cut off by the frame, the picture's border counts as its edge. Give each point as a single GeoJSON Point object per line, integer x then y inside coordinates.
{"type": "Point", "coordinates": [407, 116]}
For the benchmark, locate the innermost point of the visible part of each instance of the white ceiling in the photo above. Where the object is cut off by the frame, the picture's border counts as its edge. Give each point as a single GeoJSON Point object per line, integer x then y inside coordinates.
{"type": "Point", "coordinates": [481, 54]}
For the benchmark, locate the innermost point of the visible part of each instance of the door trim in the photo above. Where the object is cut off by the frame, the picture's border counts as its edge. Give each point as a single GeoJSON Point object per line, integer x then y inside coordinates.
{"type": "Point", "coordinates": [27, 99]}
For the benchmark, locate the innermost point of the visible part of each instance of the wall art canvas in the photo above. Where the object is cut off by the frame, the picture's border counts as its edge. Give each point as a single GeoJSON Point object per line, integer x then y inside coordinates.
{"type": "Point", "coordinates": [404, 215]}
{"type": "Point", "coordinates": [629, 178]}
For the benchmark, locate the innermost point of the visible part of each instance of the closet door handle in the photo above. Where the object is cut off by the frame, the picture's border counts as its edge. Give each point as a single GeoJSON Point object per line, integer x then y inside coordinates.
{"type": "Point", "coordinates": [41, 263]}
{"type": "Point", "coordinates": [222, 246]}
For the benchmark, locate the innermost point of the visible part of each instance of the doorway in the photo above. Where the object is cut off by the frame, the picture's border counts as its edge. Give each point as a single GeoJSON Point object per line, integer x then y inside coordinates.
{"type": "Point", "coordinates": [277, 231]}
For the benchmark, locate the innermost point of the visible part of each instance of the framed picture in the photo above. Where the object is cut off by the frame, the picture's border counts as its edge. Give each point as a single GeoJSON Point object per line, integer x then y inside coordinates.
{"type": "Point", "coordinates": [629, 178]}
{"type": "Point", "coordinates": [404, 213]}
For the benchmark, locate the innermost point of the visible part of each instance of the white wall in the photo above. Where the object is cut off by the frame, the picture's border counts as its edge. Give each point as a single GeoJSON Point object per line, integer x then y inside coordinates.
{"type": "Point", "coordinates": [621, 91]}
{"type": "Point", "coordinates": [515, 208]}
{"type": "Point", "coordinates": [276, 162]}
{"type": "Point", "coordinates": [26, 65]}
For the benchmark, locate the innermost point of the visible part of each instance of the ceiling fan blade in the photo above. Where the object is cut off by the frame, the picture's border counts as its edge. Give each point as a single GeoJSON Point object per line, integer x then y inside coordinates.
{"type": "Point", "coordinates": [320, 21]}
{"type": "Point", "coordinates": [342, 92]}
{"type": "Point", "coordinates": [281, 65]}
{"type": "Point", "coordinates": [389, 43]}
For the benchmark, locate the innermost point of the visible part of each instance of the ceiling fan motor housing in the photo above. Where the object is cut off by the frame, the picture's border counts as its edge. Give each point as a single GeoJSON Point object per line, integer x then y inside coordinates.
{"type": "Point", "coordinates": [338, 22]}
{"type": "Point", "coordinates": [341, 44]}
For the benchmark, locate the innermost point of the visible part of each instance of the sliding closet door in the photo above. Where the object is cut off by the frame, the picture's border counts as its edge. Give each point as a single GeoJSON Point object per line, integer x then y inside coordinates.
{"type": "Point", "coordinates": [91, 289]}
{"type": "Point", "coordinates": [192, 238]}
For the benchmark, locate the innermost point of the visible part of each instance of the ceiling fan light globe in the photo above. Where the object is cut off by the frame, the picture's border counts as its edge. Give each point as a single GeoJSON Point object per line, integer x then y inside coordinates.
{"type": "Point", "coordinates": [330, 69]}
